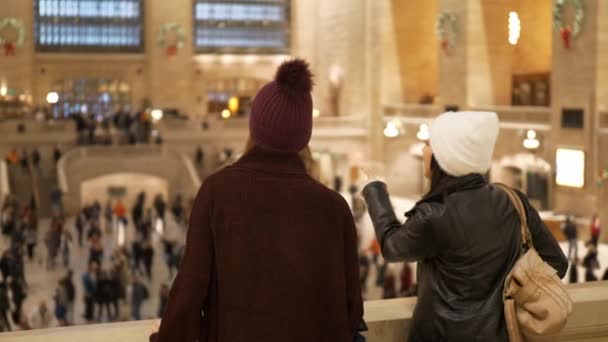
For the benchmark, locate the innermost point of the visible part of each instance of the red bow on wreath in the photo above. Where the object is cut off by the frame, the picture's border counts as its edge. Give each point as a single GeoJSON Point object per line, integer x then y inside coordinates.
{"type": "Point", "coordinates": [171, 50]}
{"type": "Point", "coordinates": [566, 34]}
{"type": "Point", "coordinates": [9, 49]}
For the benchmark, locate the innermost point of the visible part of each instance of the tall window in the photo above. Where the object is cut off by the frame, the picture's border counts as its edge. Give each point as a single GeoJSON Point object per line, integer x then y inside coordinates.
{"type": "Point", "coordinates": [91, 96]}
{"type": "Point", "coordinates": [89, 25]}
{"type": "Point", "coordinates": [242, 26]}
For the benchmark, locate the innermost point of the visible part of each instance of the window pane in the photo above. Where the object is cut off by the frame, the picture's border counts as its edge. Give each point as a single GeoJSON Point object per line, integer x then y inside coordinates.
{"type": "Point", "coordinates": [242, 25]}
{"type": "Point", "coordinates": [96, 25]}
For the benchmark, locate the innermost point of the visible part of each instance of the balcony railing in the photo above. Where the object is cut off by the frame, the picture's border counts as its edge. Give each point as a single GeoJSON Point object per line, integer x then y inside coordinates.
{"type": "Point", "coordinates": [517, 117]}
{"type": "Point", "coordinates": [388, 321]}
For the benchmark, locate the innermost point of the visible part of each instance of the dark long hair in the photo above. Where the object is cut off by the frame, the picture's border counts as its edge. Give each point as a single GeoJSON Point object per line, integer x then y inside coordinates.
{"type": "Point", "coordinates": [439, 178]}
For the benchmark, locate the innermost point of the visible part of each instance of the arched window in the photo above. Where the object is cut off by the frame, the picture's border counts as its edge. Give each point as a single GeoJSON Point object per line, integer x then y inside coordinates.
{"type": "Point", "coordinates": [89, 25]}
{"type": "Point", "coordinates": [242, 26]}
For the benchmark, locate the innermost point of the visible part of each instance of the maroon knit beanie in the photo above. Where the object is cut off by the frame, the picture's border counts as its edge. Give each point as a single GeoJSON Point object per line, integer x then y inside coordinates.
{"type": "Point", "coordinates": [281, 113]}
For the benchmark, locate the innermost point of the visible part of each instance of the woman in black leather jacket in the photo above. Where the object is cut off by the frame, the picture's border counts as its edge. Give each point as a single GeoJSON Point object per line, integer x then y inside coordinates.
{"type": "Point", "coordinates": [464, 234]}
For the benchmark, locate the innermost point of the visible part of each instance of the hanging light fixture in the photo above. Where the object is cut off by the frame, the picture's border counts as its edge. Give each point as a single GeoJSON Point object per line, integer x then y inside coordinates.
{"type": "Point", "coordinates": [531, 142]}
{"type": "Point", "coordinates": [226, 114]}
{"type": "Point", "coordinates": [423, 132]}
{"type": "Point", "coordinates": [392, 129]}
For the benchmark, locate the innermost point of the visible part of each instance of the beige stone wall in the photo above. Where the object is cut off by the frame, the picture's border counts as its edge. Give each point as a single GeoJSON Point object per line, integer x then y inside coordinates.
{"type": "Point", "coordinates": [533, 51]}
{"type": "Point", "coordinates": [327, 33]}
{"type": "Point", "coordinates": [417, 47]}
{"type": "Point", "coordinates": [573, 84]}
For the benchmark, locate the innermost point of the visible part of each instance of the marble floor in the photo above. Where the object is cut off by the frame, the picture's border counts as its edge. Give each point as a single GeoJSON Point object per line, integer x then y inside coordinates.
{"type": "Point", "coordinates": [42, 282]}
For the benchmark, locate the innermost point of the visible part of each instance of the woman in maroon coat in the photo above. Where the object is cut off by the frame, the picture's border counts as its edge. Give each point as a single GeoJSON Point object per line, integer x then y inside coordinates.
{"type": "Point", "coordinates": [271, 254]}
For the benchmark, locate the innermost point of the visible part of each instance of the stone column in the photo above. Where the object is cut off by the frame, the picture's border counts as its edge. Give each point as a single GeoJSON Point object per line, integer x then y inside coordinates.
{"type": "Point", "coordinates": [575, 85]}
{"type": "Point", "coordinates": [601, 142]}
{"type": "Point", "coordinates": [170, 78]}
{"type": "Point", "coordinates": [373, 79]}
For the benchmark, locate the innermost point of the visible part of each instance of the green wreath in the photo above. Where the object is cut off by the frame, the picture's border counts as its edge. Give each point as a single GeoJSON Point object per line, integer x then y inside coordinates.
{"type": "Point", "coordinates": [177, 29]}
{"type": "Point", "coordinates": [579, 17]}
{"type": "Point", "coordinates": [15, 24]}
{"type": "Point", "coordinates": [446, 29]}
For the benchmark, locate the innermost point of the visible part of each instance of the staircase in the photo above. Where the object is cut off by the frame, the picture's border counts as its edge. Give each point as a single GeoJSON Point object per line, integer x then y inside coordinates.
{"type": "Point", "coordinates": [34, 182]}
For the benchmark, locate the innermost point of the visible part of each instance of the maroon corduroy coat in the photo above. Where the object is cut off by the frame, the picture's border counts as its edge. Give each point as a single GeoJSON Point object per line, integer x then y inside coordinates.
{"type": "Point", "coordinates": [271, 256]}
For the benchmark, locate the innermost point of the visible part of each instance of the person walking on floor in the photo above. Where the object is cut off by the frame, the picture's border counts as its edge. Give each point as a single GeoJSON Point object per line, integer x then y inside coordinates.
{"type": "Point", "coordinates": [36, 159]}
{"type": "Point", "coordinates": [148, 258]}
{"type": "Point", "coordinates": [163, 298]}
{"type": "Point", "coordinates": [139, 294]}
{"type": "Point", "coordinates": [56, 154]}
{"type": "Point", "coordinates": [120, 212]}
{"type": "Point", "coordinates": [178, 209]}
{"type": "Point", "coordinates": [31, 233]}
{"type": "Point", "coordinates": [70, 290]}
{"type": "Point", "coordinates": [104, 296]}
{"type": "Point", "coordinates": [25, 162]}
{"type": "Point", "coordinates": [61, 304]}
{"type": "Point", "coordinates": [5, 307]}
{"type": "Point", "coordinates": [591, 263]}
{"type": "Point", "coordinates": [41, 318]}
{"type": "Point", "coordinates": [89, 285]}
{"type": "Point", "coordinates": [53, 241]}
{"type": "Point", "coordinates": [406, 279]}
{"type": "Point", "coordinates": [160, 206]}
{"type": "Point", "coordinates": [595, 230]}
{"type": "Point", "coordinates": [267, 209]}
{"type": "Point", "coordinates": [464, 234]}
{"type": "Point", "coordinates": [109, 216]}
{"type": "Point", "coordinates": [571, 234]}
{"type": "Point", "coordinates": [18, 296]}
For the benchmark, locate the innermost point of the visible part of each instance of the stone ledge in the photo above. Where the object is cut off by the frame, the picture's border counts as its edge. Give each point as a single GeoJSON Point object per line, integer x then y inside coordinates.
{"type": "Point", "coordinates": [388, 321]}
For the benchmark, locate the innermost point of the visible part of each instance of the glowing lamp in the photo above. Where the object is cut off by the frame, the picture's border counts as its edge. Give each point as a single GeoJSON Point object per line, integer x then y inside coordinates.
{"type": "Point", "coordinates": [52, 97]}
{"type": "Point", "coordinates": [233, 104]}
{"type": "Point", "coordinates": [156, 114]}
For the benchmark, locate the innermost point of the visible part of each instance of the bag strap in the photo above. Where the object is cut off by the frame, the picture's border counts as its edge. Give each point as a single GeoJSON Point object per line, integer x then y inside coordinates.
{"type": "Point", "coordinates": [526, 238]}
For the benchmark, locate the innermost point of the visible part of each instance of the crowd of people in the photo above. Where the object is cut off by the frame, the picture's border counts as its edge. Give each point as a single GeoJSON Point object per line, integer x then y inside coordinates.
{"type": "Point", "coordinates": [119, 271]}
{"type": "Point", "coordinates": [25, 158]}
{"type": "Point", "coordinates": [132, 128]}
{"type": "Point", "coordinates": [590, 262]}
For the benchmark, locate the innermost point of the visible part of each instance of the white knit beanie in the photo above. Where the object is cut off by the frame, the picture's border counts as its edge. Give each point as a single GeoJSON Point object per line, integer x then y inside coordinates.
{"type": "Point", "coordinates": [463, 142]}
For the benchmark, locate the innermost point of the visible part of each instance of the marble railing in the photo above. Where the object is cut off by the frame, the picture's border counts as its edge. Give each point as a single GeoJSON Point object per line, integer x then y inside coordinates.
{"type": "Point", "coordinates": [510, 116]}
{"type": "Point", "coordinates": [37, 133]}
{"type": "Point", "coordinates": [173, 130]}
{"type": "Point", "coordinates": [388, 321]}
{"type": "Point", "coordinates": [85, 163]}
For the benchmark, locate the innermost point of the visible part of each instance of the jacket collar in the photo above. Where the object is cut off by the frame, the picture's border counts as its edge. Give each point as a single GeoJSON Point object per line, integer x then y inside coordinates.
{"type": "Point", "coordinates": [263, 159]}
{"type": "Point", "coordinates": [464, 183]}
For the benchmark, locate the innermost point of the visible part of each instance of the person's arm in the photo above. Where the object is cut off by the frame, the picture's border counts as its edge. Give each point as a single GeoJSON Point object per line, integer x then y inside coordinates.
{"type": "Point", "coordinates": [544, 242]}
{"type": "Point", "coordinates": [351, 258]}
{"type": "Point", "coordinates": [182, 317]}
{"type": "Point", "coordinates": [411, 241]}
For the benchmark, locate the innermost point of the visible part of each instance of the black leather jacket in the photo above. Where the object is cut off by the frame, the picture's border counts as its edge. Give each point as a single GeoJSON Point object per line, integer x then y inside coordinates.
{"type": "Point", "coordinates": [465, 239]}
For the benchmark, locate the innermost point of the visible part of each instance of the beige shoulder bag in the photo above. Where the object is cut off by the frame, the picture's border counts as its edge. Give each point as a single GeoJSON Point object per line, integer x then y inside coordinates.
{"type": "Point", "coordinates": [536, 302]}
